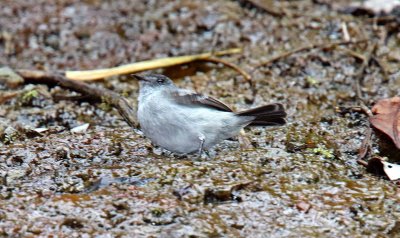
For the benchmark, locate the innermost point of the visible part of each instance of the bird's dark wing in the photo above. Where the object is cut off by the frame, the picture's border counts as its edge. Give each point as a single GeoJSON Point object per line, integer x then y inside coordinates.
{"type": "Point", "coordinates": [192, 98]}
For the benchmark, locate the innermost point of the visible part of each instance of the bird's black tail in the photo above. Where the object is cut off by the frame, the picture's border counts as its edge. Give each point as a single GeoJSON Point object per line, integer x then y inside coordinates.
{"type": "Point", "coordinates": [268, 115]}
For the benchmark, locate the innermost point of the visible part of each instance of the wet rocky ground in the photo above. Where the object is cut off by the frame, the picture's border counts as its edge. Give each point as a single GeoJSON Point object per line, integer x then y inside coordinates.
{"type": "Point", "coordinates": [109, 181]}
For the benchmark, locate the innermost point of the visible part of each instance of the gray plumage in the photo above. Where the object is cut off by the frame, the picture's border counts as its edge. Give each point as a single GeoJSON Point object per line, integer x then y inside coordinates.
{"type": "Point", "coordinates": [183, 121]}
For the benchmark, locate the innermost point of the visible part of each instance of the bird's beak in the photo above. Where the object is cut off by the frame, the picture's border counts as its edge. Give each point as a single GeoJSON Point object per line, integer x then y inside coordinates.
{"type": "Point", "coordinates": [138, 77]}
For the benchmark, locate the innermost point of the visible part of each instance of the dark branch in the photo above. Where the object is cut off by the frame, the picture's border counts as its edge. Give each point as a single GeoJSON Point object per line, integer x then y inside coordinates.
{"type": "Point", "coordinates": [92, 92]}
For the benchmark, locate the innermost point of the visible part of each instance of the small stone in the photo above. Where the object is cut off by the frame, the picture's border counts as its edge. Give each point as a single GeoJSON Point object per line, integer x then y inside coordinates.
{"type": "Point", "coordinates": [80, 129]}
{"type": "Point", "coordinates": [14, 174]}
{"type": "Point", "coordinates": [303, 206]}
{"type": "Point", "coordinates": [9, 78]}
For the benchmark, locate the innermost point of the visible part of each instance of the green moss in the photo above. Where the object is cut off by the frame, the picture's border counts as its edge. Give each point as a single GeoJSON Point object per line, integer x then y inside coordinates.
{"type": "Point", "coordinates": [326, 153]}
{"type": "Point", "coordinates": [105, 104]}
{"type": "Point", "coordinates": [27, 96]}
{"type": "Point", "coordinates": [157, 212]}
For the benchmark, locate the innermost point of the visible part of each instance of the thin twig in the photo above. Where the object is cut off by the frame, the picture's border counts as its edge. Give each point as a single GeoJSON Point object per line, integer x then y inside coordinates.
{"type": "Point", "coordinates": [363, 59]}
{"type": "Point", "coordinates": [265, 6]}
{"type": "Point", "coordinates": [362, 162]}
{"type": "Point", "coordinates": [306, 48]}
{"type": "Point", "coordinates": [246, 76]}
{"type": "Point", "coordinates": [366, 110]}
{"type": "Point", "coordinates": [93, 92]}
{"type": "Point", "coordinates": [345, 32]}
{"type": "Point", "coordinates": [360, 74]}
{"type": "Point", "coordinates": [354, 54]}
{"type": "Point", "coordinates": [244, 141]}
{"type": "Point", "coordinates": [365, 145]}
{"type": "Point", "coordinates": [382, 67]}
{"type": "Point", "coordinates": [381, 20]}
{"type": "Point", "coordinates": [362, 109]}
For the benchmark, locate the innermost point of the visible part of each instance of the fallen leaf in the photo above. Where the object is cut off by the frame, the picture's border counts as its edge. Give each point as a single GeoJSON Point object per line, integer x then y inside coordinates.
{"type": "Point", "coordinates": [380, 6]}
{"type": "Point", "coordinates": [386, 106]}
{"type": "Point", "coordinates": [40, 129]}
{"type": "Point", "coordinates": [386, 118]}
{"type": "Point", "coordinates": [380, 167]}
{"type": "Point", "coordinates": [373, 7]}
{"type": "Point", "coordinates": [80, 129]}
{"type": "Point", "coordinates": [391, 170]}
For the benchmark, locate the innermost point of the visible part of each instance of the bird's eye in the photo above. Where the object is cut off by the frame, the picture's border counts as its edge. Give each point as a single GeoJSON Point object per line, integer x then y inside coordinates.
{"type": "Point", "coordinates": [160, 80]}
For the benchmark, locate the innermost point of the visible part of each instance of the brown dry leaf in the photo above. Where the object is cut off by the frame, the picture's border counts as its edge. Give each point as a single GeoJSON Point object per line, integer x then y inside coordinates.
{"type": "Point", "coordinates": [386, 106]}
{"type": "Point", "coordinates": [386, 118]}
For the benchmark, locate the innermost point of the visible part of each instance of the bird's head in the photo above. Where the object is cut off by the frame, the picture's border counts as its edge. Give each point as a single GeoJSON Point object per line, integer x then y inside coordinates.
{"type": "Point", "coordinates": [153, 81]}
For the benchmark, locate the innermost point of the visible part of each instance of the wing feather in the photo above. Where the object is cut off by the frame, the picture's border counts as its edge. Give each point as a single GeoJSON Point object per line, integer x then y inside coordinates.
{"type": "Point", "coordinates": [189, 98]}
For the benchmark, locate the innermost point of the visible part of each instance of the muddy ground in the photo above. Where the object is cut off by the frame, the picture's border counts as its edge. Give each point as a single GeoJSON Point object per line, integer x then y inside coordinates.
{"type": "Point", "coordinates": [300, 180]}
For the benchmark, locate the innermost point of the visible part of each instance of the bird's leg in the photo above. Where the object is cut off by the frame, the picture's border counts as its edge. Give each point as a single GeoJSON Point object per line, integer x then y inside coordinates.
{"type": "Point", "coordinates": [202, 138]}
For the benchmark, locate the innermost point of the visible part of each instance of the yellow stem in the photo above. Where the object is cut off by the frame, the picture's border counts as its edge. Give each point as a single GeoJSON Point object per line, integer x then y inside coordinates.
{"type": "Point", "coordinates": [143, 65]}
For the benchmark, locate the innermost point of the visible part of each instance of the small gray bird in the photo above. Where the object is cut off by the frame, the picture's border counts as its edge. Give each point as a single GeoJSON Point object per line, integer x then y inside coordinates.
{"type": "Point", "coordinates": [184, 121]}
